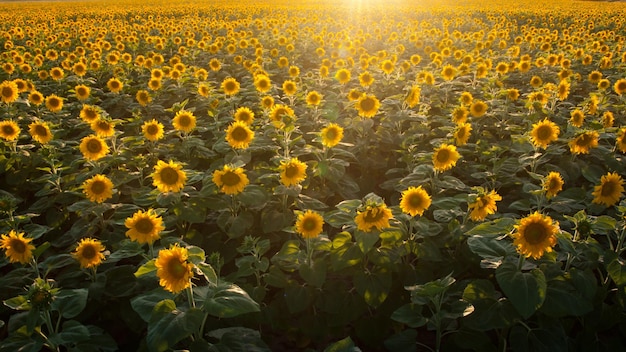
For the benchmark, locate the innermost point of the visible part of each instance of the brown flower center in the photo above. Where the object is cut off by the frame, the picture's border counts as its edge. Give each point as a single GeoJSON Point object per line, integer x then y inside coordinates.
{"type": "Point", "coordinates": [94, 146]}
{"type": "Point", "coordinates": [89, 252]}
{"type": "Point", "coordinates": [535, 233]}
{"type": "Point", "coordinates": [169, 176]}
{"type": "Point", "coordinates": [230, 179]}
{"type": "Point", "coordinates": [18, 246]}
{"type": "Point", "coordinates": [98, 187]}
{"type": "Point", "coordinates": [176, 268]}
{"type": "Point", "coordinates": [144, 226]}
{"type": "Point", "coordinates": [239, 134]}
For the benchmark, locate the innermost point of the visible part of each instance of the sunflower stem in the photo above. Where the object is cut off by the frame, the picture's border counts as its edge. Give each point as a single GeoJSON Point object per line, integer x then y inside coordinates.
{"type": "Point", "coordinates": [520, 263]}
{"type": "Point", "coordinates": [151, 249]}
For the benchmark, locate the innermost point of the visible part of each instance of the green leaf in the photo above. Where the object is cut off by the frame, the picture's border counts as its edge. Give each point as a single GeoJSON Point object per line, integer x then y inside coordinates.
{"type": "Point", "coordinates": [563, 299]}
{"type": "Point", "coordinates": [342, 239]}
{"type": "Point", "coordinates": [421, 294]}
{"type": "Point", "coordinates": [168, 325]}
{"type": "Point", "coordinates": [298, 298]}
{"type": "Point", "coordinates": [196, 254]}
{"type": "Point", "coordinates": [71, 333]}
{"type": "Point", "coordinates": [276, 277]}
{"type": "Point", "coordinates": [209, 273]}
{"type": "Point", "coordinates": [345, 345]}
{"type": "Point", "coordinates": [615, 267]}
{"type": "Point", "coordinates": [70, 302]}
{"type": "Point", "coordinates": [238, 339]}
{"type": "Point", "coordinates": [410, 314]}
{"type": "Point", "coordinates": [144, 303]}
{"type": "Point", "coordinates": [314, 275]}
{"type": "Point", "coordinates": [490, 249]}
{"type": "Point", "coordinates": [253, 196]}
{"type": "Point", "coordinates": [229, 300]}
{"type": "Point", "coordinates": [527, 291]}
{"type": "Point", "coordinates": [498, 226]}
{"type": "Point", "coordinates": [147, 268]}
{"type": "Point", "coordinates": [366, 240]}
{"type": "Point", "coordinates": [490, 311]}
{"type": "Point", "coordinates": [18, 303]}
{"type": "Point", "coordinates": [403, 341]}
{"type": "Point", "coordinates": [374, 287]}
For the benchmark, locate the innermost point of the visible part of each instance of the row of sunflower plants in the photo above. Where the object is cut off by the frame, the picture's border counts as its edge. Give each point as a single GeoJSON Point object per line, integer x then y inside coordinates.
{"type": "Point", "coordinates": [312, 177]}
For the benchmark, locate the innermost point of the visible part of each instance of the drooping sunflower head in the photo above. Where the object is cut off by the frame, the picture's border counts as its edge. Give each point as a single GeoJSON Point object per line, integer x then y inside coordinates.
{"type": "Point", "coordinates": [54, 103]}
{"type": "Point", "coordinates": [82, 92]}
{"type": "Point", "coordinates": [98, 188]}
{"type": "Point", "coordinates": [478, 108]}
{"type": "Point", "coordinates": [610, 189]}
{"type": "Point", "coordinates": [9, 130]}
{"type": "Point", "coordinates": [544, 133]}
{"type": "Point", "coordinates": [331, 135]}
{"type": "Point", "coordinates": [184, 121]}
{"type": "Point", "coordinates": [373, 215]}
{"type": "Point", "coordinates": [152, 130]}
{"type": "Point", "coordinates": [607, 119]}
{"type": "Point", "coordinates": [245, 115]}
{"type": "Point", "coordinates": [40, 131]}
{"type": "Point", "coordinates": [309, 224]}
{"type": "Point", "coordinates": [445, 157]}
{"type": "Point", "coordinates": [367, 105]}
{"type": "Point", "coordinates": [313, 98]}
{"type": "Point", "coordinates": [93, 147]}
{"type": "Point", "coordinates": [168, 177]}
{"type": "Point", "coordinates": [115, 85]}
{"type": "Point", "coordinates": [462, 133]}
{"type": "Point", "coordinates": [292, 172]}
{"type": "Point", "coordinates": [483, 204]}
{"type": "Point", "coordinates": [239, 135]}
{"type": "Point", "coordinates": [144, 227]}
{"type": "Point", "coordinates": [17, 247]}
{"type": "Point", "coordinates": [230, 86]}
{"type": "Point", "coordinates": [281, 114]}
{"type": "Point", "coordinates": [582, 143]}
{"type": "Point", "coordinates": [535, 235]}
{"type": "Point", "coordinates": [89, 113]}
{"type": "Point", "coordinates": [173, 269]}
{"type": "Point", "coordinates": [413, 96]}
{"type": "Point", "coordinates": [89, 252]}
{"type": "Point", "coordinates": [620, 141]}
{"type": "Point", "coordinates": [414, 201]}
{"type": "Point", "coordinates": [230, 180]}
{"type": "Point", "coordinates": [552, 184]}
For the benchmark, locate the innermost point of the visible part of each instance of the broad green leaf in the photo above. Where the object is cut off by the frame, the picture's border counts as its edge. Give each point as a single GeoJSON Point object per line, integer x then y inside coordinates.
{"type": "Point", "coordinates": [298, 298]}
{"type": "Point", "coordinates": [196, 254]}
{"type": "Point", "coordinates": [70, 302]}
{"type": "Point", "coordinates": [253, 196]}
{"type": "Point", "coordinates": [18, 303]}
{"type": "Point", "coordinates": [72, 332]}
{"type": "Point", "coordinates": [615, 267]}
{"type": "Point", "coordinates": [562, 299]}
{"type": "Point", "coordinates": [374, 287]}
{"type": "Point", "coordinates": [403, 341]}
{"type": "Point", "coordinates": [410, 314]}
{"type": "Point", "coordinates": [209, 273]}
{"type": "Point", "coordinates": [421, 294]}
{"type": "Point", "coordinates": [526, 290]}
{"type": "Point", "coordinates": [314, 275]}
{"type": "Point", "coordinates": [238, 339]}
{"type": "Point", "coordinates": [490, 249]}
{"type": "Point", "coordinates": [345, 345]}
{"type": "Point", "coordinates": [366, 240]}
{"type": "Point", "coordinates": [345, 256]}
{"type": "Point", "coordinates": [168, 325]}
{"type": "Point", "coordinates": [228, 300]}
{"type": "Point", "coordinates": [144, 304]}
{"type": "Point", "coordinates": [498, 226]}
{"type": "Point", "coordinates": [341, 239]}
{"type": "Point", "coordinates": [146, 268]}
{"type": "Point", "coordinates": [490, 311]}
{"type": "Point", "coordinates": [276, 277]}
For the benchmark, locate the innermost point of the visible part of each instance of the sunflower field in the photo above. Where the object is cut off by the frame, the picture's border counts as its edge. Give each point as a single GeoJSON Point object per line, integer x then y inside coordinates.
{"type": "Point", "coordinates": [313, 176]}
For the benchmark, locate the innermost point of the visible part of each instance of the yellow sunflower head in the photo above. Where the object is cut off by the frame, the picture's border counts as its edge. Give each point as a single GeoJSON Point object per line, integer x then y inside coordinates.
{"type": "Point", "coordinates": [36, 98]}
{"type": "Point", "coordinates": [309, 224]}
{"type": "Point", "coordinates": [281, 114]}
{"type": "Point", "coordinates": [366, 79]}
{"type": "Point", "coordinates": [478, 108]}
{"type": "Point", "coordinates": [462, 133]}
{"type": "Point", "coordinates": [459, 115]}
{"type": "Point", "coordinates": [331, 135]}
{"type": "Point", "coordinates": [98, 188]}
{"type": "Point", "coordinates": [445, 157]}
{"type": "Point", "coordinates": [582, 143]}
{"type": "Point", "coordinates": [620, 141]}
{"type": "Point", "coordinates": [103, 128]}
{"type": "Point", "coordinates": [143, 97]}
{"type": "Point", "coordinates": [230, 86]}
{"type": "Point", "coordinates": [292, 172]}
{"type": "Point", "coordinates": [313, 98]}
{"type": "Point", "coordinates": [535, 235]}
{"type": "Point", "coordinates": [267, 102]}
{"type": "Point", "coordinates": [144, 227]}
{"type": "Point", "coordinates": [552, 184]}
{"type": "Point", "coordinates": [184, 121]}
{"type": "Point", "coordinates": [262, 83]}
{"type": "Point", "coordinates": [89, 113]}
{"type": "Point", "coordinates": [230, 180]}
{"type": "Point", "coordinates": [607, 119]}
{"type": "Point", "coordinates": [40, 131]}
{"type": "Point", "coordinates": [544, 133]}
{"type": "Point", "coordinates": [577, 117]}
{"type": "Point", "coordinates": [93, 147]}
{"type": "Point", "coordinates": [289, 87]}
{"type": "Point", "coordinates": [343, 75]}
{"type": "Point", "coordinates": [620, 86]}
{"type": "Point", "coordinates": [89, 252]}
{"type": "Point", "coordinates": [413, 97]}
{"type": "Point", "coordinates": [152, 130]}
{"type": "Point", "coordinates": [373, 215]}
{"type": "Point", "coordinates": [168, 177]}
{"type": "Point", "coordinates": [17, 247]}
{"type": "Point", "coordinates": [239, 135]}
{"type": "Point", "coordinates": [245, 115]}
{"type": "Point", "coordinates": [9, 130]}
{"type": "Point", "coordinates": [115, 85]}
{"type": "Point", "coordinates": [414, 201]}
{"type": "Point", "coordinates": [173, 269]}
{"type": "Point", "coordinates": [367, 105]}
{"type": "Point", "coordinates": [610, 189]}
{"type": "Point", "coordinates": [54, 103]}
{"type": "Point", "coordinates": [448, 72]}
{"type": "Point", "coordinates": [82, 92]}
{"type": "Point", "coordinates": [483, 205]}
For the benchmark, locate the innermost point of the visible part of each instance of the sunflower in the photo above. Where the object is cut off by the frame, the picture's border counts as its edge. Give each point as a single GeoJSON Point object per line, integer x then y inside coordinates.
{"type": "Point", "coordinates": [607, 119]}
{"type": "Point", "coordinates": [448, 72]}
{"type": "Point", "coordinates": [414, 201]}
{"type": "Point", "coordinates": [98, 188]}
{"type": "Point", "coordinates": [563, 90]}
{"type": "Point", "coordinates": [40, 131]}
{"type": "Point", "coordinates": [289, 87]}
{"type": "Point", "coordinates": [604, 84]}
{"type": "Point", "coordinates": [230, 86]}
{"type": "Point", "coordinates": [366, 79]}
{"type": "Point", "coordinates": [245, 115]}
{"type": "Point", "coordinates": [543, 133]}
{"type": "Point", "coordinates": [280, 112]}
{"type": "Point", "coordinates": [239, 135]}
{"type": "Point", "coordinates": [154, 84]}
{"type": "Point", "coordinates": [54, 103]}
{"type": "Point", "coordinates": [313, 98]}
{"type": "Point", "coordinates": [343, 75]}
{"type": "Point", "coordinates": [215, 64]}
{"type": "Point", "coordinates": [143, 97]}
{"type": "Point", "coordinates": [115, 85]}
{"type": "Point", "coordinates": [552, 184]}
{"type": "Point", "coordinates": [93, 147]}
{"type": "Point", "coordinates": [204, 90]}
{"type": "Point", "coordinates": [9, 130]}
{"type": "Point", "coordinates": [594, 76]}
{"type": "Point", "coordinates": [267, 102]}
{"type": "Point", "coordinates": [36, 98]}
{"type": "Point", "coordinates": [512, 94]}
{"type": "Point", "coordinates": [82, 92]}
{"type": "Point", "coordinates": [610, 189]}
{"type": "Point", "coordinates": [583, 142]}
{"type": "Point", "coordinates": [231, 180]}
{"type": "Point", "coordinates": [478, 108]}
{"type": "Point", "coordinates": [577, 117]}
{"type": "Point", "coordinates": [445, 157]}
{"type": "Point", "coordinates": [309, 224]}
{"type": "Point", "coordinates": [89, 253]}
{"type": "Point", "coordinates": [144, 227]}
{"type": "Point", "coordinates": [462, 133]}
{"type": "Point", "coordinates": [367, 105]}
{"type": "Point", "coordinates": [184, 121]}
{"type": "Point", "coordinates": [262, 83]}
{"type": "Point", "coordinates": [466, 98]}
{"type": "Point", "coordinates": [536, 81]}
{"type": "Point", "coordinates": [413, 97]}
{"type": "Point", "coordinates": [374, 215]}
{"type": "Point", "coordinates": [152, 130]}
{"type": "Point", "coordinates": [292, 172]}
{"type": "Point", "coordinates": [80, 69]}
{"type": "Point", "coordinates": [620, 86]}
{"type": "Point", "coordinates": [459, 115]}
{"type": "Point", "coordinates": [103, 128]}
{"type": "Point", "coordinates": [620, 141]}
{"type": "Point", "coordinates": [354, 94]}
{"type": "Point", "coordinates": [331, 135]}
{"type": "Point", "coordinates": [57, 73]}
{"type": "Point", "coordinates": [168, 177]}
{"type": "Point", "coordinates": [8, 91]}
{"type": "Point", "coordinates": [483, 205]}
{"type": "Point", "coordinates": [90, 113]}
{"type": "Point", "coordinates": [173, 269]}
{"type": "Point", "coordinates": [535, 235]}
{"type": "Point", "coordinates": [17, 247]}
{"type": "Point", "coordinates": [387, 66]}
